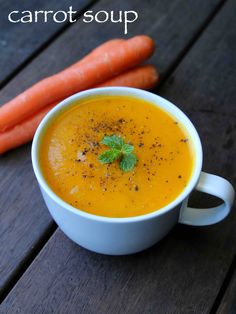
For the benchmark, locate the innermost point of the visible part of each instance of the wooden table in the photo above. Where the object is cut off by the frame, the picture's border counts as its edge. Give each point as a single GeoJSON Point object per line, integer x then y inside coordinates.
{"type": "Point", "coordinates": [193, 269]}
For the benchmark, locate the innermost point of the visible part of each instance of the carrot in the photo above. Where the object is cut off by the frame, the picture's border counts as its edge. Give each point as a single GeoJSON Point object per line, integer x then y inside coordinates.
{"type": "Point", "coordinates": [144, 77]}
{"type": "Point", "coordinates": [22, 133]}
{"type": "Point", "coordinates": [100, 50]}
{"type": "Point", "coordinates": [80, 76]}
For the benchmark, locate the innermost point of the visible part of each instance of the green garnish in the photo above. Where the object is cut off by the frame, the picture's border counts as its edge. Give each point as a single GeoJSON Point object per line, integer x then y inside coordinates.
{"type": "Point", "coordinates": [128, 162]}
{"type": "Point", "coordinates": [118, 150]}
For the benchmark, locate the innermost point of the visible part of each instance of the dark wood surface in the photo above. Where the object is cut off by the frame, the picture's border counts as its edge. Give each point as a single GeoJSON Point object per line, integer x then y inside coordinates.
{"type": "Point", "coordinates": [189, 270]}
{"type": "Point", "coordinates": [20, 42]}
{"type": "Point", "coordinates": [32, 211]}
{"type": "Point", "coordinates": [228, 304]}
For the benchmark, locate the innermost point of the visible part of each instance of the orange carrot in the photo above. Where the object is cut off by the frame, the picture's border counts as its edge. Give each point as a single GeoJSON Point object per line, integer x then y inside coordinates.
{"type": "Point", "coordinates": [22, 133]}
{"type": "Point", "coordinates": [144, 77]}
{"type": "Point", "coordinates": [100, 50]}
{"type": "Point", "coordinates": [80, 76]}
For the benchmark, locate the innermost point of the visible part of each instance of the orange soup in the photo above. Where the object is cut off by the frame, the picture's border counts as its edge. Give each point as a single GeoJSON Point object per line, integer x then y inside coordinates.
{"type": "Point", "coordinates": [71, 147]}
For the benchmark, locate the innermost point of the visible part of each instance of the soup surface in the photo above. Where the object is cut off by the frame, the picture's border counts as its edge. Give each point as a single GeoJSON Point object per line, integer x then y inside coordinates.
{"type": "Point", "coordinates": [71, 146]}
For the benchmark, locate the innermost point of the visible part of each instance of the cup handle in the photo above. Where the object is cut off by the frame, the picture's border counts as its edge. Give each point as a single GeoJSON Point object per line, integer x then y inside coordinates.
{"type": "Point", "coordinates": [214, 185]}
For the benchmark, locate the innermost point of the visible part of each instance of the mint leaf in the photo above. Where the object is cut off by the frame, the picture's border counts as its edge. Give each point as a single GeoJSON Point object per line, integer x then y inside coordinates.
{"type": "Point", "coordinates": [128, 162]}
{"type": "Point", "coordinates": [109, 156]}
{"type": "Point", "coordinates": [119, 150]}
{"type": "Point", "coordinates": [113, 141]}
{"type": "Point", "coordinates": [127, 148]}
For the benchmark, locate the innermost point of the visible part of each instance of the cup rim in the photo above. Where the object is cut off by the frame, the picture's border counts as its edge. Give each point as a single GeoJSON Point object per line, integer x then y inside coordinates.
{"type": "Point", "coordinates": [120, 91]}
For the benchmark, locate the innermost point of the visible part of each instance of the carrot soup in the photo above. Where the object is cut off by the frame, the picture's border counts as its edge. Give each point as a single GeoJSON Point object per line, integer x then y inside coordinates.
{"type": "Point", "coordinates": [116, 156]}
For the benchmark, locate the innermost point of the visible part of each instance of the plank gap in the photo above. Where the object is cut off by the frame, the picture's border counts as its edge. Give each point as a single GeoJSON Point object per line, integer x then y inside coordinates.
{"type": "Point", "coordinates": [191, 43]}
{"type": "Point", "coordinates": [224, 286]}
{"type": "Point", "coordinates": [25, 263]}
{"type": "Point", "coordinates": [44, 45]}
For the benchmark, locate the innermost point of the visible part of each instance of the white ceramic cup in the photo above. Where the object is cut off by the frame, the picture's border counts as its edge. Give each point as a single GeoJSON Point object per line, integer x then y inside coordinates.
{"type": "Point", "coordinates": [118, 236]}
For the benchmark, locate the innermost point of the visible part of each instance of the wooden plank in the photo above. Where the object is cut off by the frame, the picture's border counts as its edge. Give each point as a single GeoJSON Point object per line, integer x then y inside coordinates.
{"type": "Point", "coordinates": [228, 304]}
{"type": "Point", "coordinates": [184, 272]}
{"type": "Point", "coordinates": [21, 229]}
{"type": "Point", "coordinates": [19, 41]}
{"type": "Point", "coordinates": [164, 25]}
